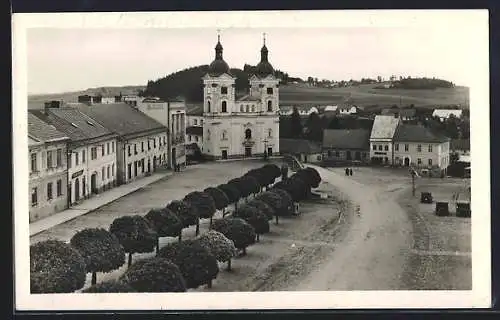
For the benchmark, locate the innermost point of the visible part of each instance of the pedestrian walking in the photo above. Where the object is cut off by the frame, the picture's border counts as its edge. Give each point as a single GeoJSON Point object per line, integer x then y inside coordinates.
{"type": "Point", "coordinates": [350, 172]}
{"type": "Point", "coordinates": [346, 171]}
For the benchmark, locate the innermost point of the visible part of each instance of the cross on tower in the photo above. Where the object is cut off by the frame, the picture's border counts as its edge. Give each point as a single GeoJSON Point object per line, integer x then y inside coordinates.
{"type": "Point", "coordinates": [218, 35]}
{"type": "Point", "coordinates": [264, 37]}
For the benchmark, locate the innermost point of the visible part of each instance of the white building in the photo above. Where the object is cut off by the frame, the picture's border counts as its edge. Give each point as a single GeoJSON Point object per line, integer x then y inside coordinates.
{"type": "Point", "coordinates": [48, 170]}
{"type": "Point", "coordinates": [330, 108]}
{"type": "Point", "coordinates": [171, 114]}
{"type": "Point", "coordinates": [141, 142]}
{"type": "Point", "coordinates": [381, 138]}
{"type": "Point", "coordinates": [444, 114]}
{"type": "Point", "coordinates": [245, 127]}
{"type": "Point", "coordinates": [91, 157]}
{"type": "Point", "coordinates": [345, 110]}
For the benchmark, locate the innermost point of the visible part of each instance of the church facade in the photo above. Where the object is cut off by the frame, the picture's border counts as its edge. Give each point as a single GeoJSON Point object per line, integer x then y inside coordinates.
{"type": "Point", "coordinates": [240, 127]}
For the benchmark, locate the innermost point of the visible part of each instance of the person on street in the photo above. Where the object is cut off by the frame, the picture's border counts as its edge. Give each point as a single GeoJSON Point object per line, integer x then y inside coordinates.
{"type": "Point", "coordinates": [350, 172]}
{"type": "Point", "coordinates": [346, 171]}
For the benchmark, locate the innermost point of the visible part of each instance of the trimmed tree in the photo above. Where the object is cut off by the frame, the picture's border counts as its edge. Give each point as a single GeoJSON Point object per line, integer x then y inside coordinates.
{"type": "Point", "coordinates": [154, 275]}
{"type": "Point", "coordinates": [135, 235]}
{"type": "Point", "coordinates": [166, 224]}
{"type": "Point", "coordinates": [219, 246]}
{"type": "Point", "coordinates": [310, 176]}
{"type": "Point", "coordinates": [259, 175]}
{"type": "Point", "coordinates": [185, 211]}
{"type": "Point", "coordinates": [112, 286]}
{"type": "Point", "coordinates": [221, 200]}
{"type": "Point", "coordinates": [287, 202]}
{"type": "Point", "coordinates": [271, 171]}
{"type": "Point", "coordinates": [100, 249]}
{"type": "Point", "coordinates": [204, 204]}
{"type": "Point", "coordinates": [251, 184]}
{"type": "Point", "coordinates": [257, 219]}
{"type": "Point", "coordinates": [237, 230]}
{"type": "Point", "coordinates": [296, 187]}
{"type": "Point", "coordinates": [196, 264]}
{"type": "Point", "coordinates": [275, 201]}
{"type": "Point", "coordinates": [55, 267]}
{"type": "Point", "coordinates": [232, 193]}
{"type": "Point", "coordinates": [263, 207]}
{"type": "Point", "coordinates": [239, 184]}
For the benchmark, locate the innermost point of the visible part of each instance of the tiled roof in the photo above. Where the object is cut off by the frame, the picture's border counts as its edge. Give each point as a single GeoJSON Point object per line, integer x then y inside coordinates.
{"type": "Point", "coordinates": [121, 118]}
{"type": "Point", "coordinates": [401, 112]}
{"type": "Point", "coordinates": [295, 146]}
{"type": "Point", "coordinates": [194, 110]}
{"type": "Point", "coordinates": [248, 98]}
{"type": "Point", "coordinates": [460, 144]}
{"type": "Point", "coordinates": [76, 125]}
{"type": "Point", "coordinates": [346, 138]}
{"type": "Point", "coordinates": [384, 127]}
{"type": "Point", "coordinates": [417, 133]}
{"type": "Point", "coordinates": [43, 131]}
{"type": "Point", "coordinates": [197, 131]}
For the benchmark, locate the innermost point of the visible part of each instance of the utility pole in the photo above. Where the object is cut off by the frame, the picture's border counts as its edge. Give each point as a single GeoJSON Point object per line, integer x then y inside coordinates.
{"type": "Point", "coordinates": [413, 182]}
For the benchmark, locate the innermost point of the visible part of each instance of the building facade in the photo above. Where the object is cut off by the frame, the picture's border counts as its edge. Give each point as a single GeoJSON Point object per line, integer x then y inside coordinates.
{"type": "Point", "coordinates": [346, 145]}
{"type": "Point", "coordinates": [244, 127]}
{"type": "Point", "coordinates": [141, 140]}
{"type": "Point", "coordinates": [48, 171]}
{"type": "Point", "coordinates": [381, 138]}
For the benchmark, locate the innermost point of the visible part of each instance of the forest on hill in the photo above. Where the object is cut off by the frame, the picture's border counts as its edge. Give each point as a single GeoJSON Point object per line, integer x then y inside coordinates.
{"type": "Point", "coordinates": [188, 83]}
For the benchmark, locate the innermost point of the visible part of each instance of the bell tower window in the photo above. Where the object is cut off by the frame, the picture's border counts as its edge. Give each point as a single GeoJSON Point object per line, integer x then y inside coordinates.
{"type": "Point", "coordinates": [269, 106]}
{"type": "Point", "coordinates": [269, 90]}
{"type": "Point", "coordinates": [224, 106]}
{"type": "Point", "coordinates": [248, 134]}
{"type": "Point", "coordinates": [208, 106]}
{"type": "Point", "coordinates": [223, 90]}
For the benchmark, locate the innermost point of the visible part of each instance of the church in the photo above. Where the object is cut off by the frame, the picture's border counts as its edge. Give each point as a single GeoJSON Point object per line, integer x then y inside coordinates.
{"type": "Point", "coordinates": [247, 126]}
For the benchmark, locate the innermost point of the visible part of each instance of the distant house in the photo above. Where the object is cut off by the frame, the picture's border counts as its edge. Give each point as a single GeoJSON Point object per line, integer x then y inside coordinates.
{"type": "Point", "coordinates": [195, 135]}
{"type": "Point", "coordinates": [347, 110]}
{"type": "Point", "coordinates": [346, 145]}
{"type": "Point", "coordinates": [330, 108]}
{"type": "Point", "coordinates": [381, 138]}
{"type": "Point", "coordinates": [444, 114]}
{"type": "Point", "coordinates": [303, 110]}
{"type": "Point", "coordinates": [406, 114]}
{"type": "Point", "coordinates": [305, 150]}
{"type": "Point", "coordinates": [460, 146]}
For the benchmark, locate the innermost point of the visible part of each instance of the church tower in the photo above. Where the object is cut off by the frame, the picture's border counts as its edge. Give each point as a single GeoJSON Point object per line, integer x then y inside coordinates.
{"type": "Point", "coordinates": [219, 86]}
{"type": "Point", "coordinates": [264, 84]}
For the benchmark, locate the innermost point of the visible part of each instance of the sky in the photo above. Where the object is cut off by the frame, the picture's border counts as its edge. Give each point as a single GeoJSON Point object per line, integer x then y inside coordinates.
{"type": "Point", "coordinates": [71, 59]}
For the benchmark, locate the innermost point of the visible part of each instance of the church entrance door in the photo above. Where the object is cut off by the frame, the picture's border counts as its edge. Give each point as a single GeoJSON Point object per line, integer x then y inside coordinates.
{"type": "Point", "coordinates": [224, 154]}
{"type": "Point", "coordinates": [248, 151]}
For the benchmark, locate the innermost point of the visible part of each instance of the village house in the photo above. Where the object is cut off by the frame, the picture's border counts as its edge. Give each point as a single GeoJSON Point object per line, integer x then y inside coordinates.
{"type": "Point", "coordinates": [141, 142]}
{"type": "Point", "coordinates": [91, 156]}
{"type": "Point", "coordinates": [48, 170]}
{"type": "Point", "coordinates": [347, 110]}
{"type": "Point", "coordinates": [305, 150]}
{"type": "Point", "coordinates": [417, 146]}
{"type": "Point", "coordinates": [381, 138]}
{"type": "Point", "coordinates": [131, 99]}
{"type": "Point", "coordinates": [194, 129]}
{"type": "Point", "coordinates": [171, 114]}
{"type": "Point", "coordinates": [405, 114]}
{"type": "Point", "coordinates": [444, 114]}
{"type": "Point", "coordinates": [341, 145]}
{"type": "Point", "coordinates": [303, 110]}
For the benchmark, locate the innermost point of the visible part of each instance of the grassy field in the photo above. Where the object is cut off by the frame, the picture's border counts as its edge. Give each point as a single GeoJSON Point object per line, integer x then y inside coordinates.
{"type": "Point", "coordinates": [363, 95]}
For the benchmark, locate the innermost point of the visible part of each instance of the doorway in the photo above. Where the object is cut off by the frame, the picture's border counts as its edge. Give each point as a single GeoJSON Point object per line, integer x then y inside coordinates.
{"type": "Point", "coordinates": [149, 165]}
{"type": "Point", "coordinates": [129, 167]}
{"type": "Point", "coordinates": [348, 155]}
{"type": "Point", "coordinates": [174, 157]}
{"type": "Point", "coordinates": [357, 155]}
{"type": "Point", "coordinates": [269, 151]}
{"type": "Point", "coordinates": [407, 162]}
{"type": "Point", "coordinates": [154, 163]}
{"type": "Point", "coordinates": [224, 154]}
{"type": "Point", "coordinates": [84, 187]}
{"type": "Point", "coordinates": [248, 151]}
{"type": "Point", "coordinates": [93, 183]}
{"type": "Point", "coordinates": [77, 189]}
{"type": "Point", "coordinates": [136, 163]}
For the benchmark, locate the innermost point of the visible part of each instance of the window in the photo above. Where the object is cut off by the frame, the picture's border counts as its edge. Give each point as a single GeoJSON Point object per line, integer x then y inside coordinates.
{"type": "Point", "coordinates": [59, 157]}
{"type": "Point", "coordinates": [247, 108]}
{"type": "Point", "coordinates": [102, 150]}
{"type": "Point", "coordinates": [59, 188]}
{"type": "Point", "coordinates": [224, 135]}
{"type": "Point", "coordinates": [201, 122]}
{"type": "Point", "coordinates": [396, 147]}
{"type": "Point", "coordinates": [135, 148]}
{"type": "Point", "coordinates": [34, 167]}
{"type": "Point", "coordinates": [337, 154]}
{"type": "Point", "coordinates": [70, 159]}
{"type": "Point", "coordinates": [196, 138]}
{"type": "Point", "coordinates": [129, 151]}
{"type": "Point", "coordinates": [164, 140]}
{"type": "Point", "coordinates": [419, 161]}
{"type": "Point", "coordinates": [407, 147]}
{"type": "Point", "coordinates": [224, 106]}
{"type": "Point", "coordinates": [142, 146]}
{"type": "Point", "coordinates": [269, 90]}
{"type": "Point", "coordinates": [93, 153]}
{"type": "Point", "coordinates": [248, 134]}
{"type": "Point", "coordinates": [195, 122]}
{"type": "Point", "coordinates": [77, 158]}
{"type": "Point", "coordinates": [107, 148]}
{"type": "Point", "coordinates": [113, 170]}
{"type": "Point", "coordinates": [49, 191]}
{"type": "Point", "coordinates": [34, 197]}
{"type": "Point", "coordinates": [374, 147]}
{"type": "Point", "coordinates": [49, 159]}
{"type": "Point", "coordinates": [419, 148]}
{"type": "Point", "coordinates": [253, 108]}
{"type": "Point", "coordinates": [112, 146]}
{"type": "Point", "coordinates": [154, 143]}
{"type": "Point", "coordinates": [102, 173]}
{"type": "Point", "coordinates": [107, 172]}
{"type": "Point", "coordinates": [380, 147]}
{"type": "Point", "coordinates": [208, 134]}
{"type": "Point", "coordinates": [329, 153]}
{"type": "Point", "coordinates": [430, 162]}
{"type": "Point", "coordinates": [270, 133]}
{"type": "Point", "coordinates": [430, 148]}
{"type": "Point", "coordinates": [223, 90]}
{"type": "Point", "coordinates": [189, 138]}
{"type": "Point", "coordinates": [149, 145]}
{"type": "Point", "coordinates": [269, 106]}
{"type": "Point", "coordinates": [208, 106]}
{"type": "Point", "coordinates": [386, 148]}
{"type": "Point", "coordinates": [241, 108]}
{"type": "Point", "coordinates": [83, 156]}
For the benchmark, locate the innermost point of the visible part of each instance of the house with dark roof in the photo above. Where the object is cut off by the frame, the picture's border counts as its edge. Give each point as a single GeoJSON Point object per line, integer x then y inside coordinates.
{"type": "Point", "coordinates": [91, 156]}
{"type": "Point", "coordinates": [305, 150]}
{"type": "Point", "coordinates": [346, 145]}
{"type": "Point", "coordinates": [405, 114]}
{"type": "Point", "coordinates": [419, 147]}
{"type": "Point", "coordinates": [48, 169]}
{"type": "Point", "coordinates": [460, 146]}
{"type": "Point", "coordinates": [141, 141]}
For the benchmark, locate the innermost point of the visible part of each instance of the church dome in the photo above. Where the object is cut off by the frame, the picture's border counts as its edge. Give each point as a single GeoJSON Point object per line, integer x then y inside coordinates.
{"type": "Point", "coordinates": [264, 68]}
{"type": "Point", "coordinates": [218, 66]}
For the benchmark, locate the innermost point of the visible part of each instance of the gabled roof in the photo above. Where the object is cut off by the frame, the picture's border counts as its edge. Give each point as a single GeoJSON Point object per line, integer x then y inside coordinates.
{"type": "Point", "coordinates": [41, 131]}
{"type": "Point", "coordinates": [417, 133]}
{"type": "Point", "coordinates": [346, 138]}
{"type": "Point", "coordinates": [121, 118]}
{"type": "Point", "coordinates": [445, 113]}
{"type": "Point", "coordinates": [295, 146]}
{"type": "Point", "coordinates": [73, 123]}
{"type": "Point", "coordinates": [384, 127]}
{"type": "Point", "coordinates": [196, 131]}
{"type": "Point", "coordinates": [194, 110]}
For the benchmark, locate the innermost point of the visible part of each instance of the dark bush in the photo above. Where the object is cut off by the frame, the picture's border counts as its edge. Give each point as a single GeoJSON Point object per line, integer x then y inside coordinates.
{"type": "Point", "coordinates": [272, 170]}
{"type": "Point", "coordinates": [251, 184]}
{"type": "Point", "coordinates": [242, 187]}
{"type": "Point", "coordinates": [237, 230]}
{"type": "Point", "coordinates": [220, 198]}
{"type": "Point", "coordinates": [55, 267]}
{"type": "Point", "coordinates": [113, 286]}
{"type": "Point", "coordinates": [135, 235]}
{"type": "Point", "coordinates": [310, 176]}
{"type": "Point", "coordinates": [185, 211]}
{"type": "Point", "coordinates": [263, 207]}
{"type": "Point", "coordinates": [154, 275]}
{"type": "Point", "coordinates": [296, 187]}
{"type": "Point", "coordinates": [259, 175]}
{"type": "Point", "coordinates": [257, 219]}
{"type": "Point", "coordinates": [100, 249]}
{"type": "Point", "coordinates": [231, 192]}
{"type": "Point", "coordinates": [166, 224]}
{"type": "Point", "coordinates": [203, 202]}
{"type": "Point", "coordinates": [197, 265]}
